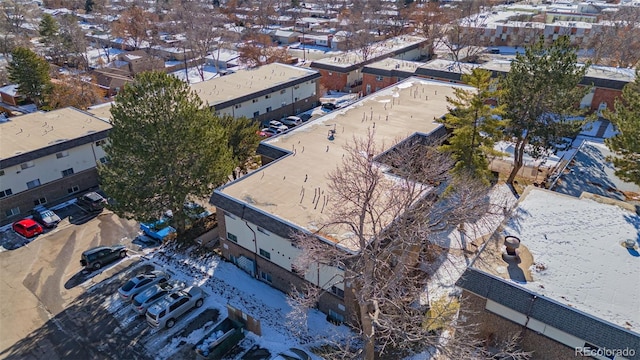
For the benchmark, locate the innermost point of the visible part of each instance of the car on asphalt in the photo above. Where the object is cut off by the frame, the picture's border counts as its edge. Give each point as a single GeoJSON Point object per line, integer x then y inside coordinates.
{"type": "Point", "coordinates": [329, 106]}
{"type": "Point", "coordinates": [277, 126]}
{"type": "Point", "coordinates": [167, 310]}
{"type": "Point", "coordinates": [151, 295]}
{"type": "Point", "coordinates": [267, 132]}
{"type": "Point", "coordinates": [140, 283]}
{"type": "Point", "coordinates": [92, 202]}
{"type": "Point", "coordinates": [292, 354]}
{"type": "Point", "coordinates": [291, 121]}
{"type": "Point", "coordinates": [45, 216]}
{"type": "Point", "coordinates": [27, 228]}
{"type": "Point", "coordinates": [95, 258]}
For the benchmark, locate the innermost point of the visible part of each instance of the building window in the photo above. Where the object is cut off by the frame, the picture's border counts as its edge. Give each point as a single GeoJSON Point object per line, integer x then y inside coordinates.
{"type": "Point", "coordinates": [103, 160]}
{"type": "Point", "coordinates": [256, 114]}
{"type": "Point", "coordinates": [232, 237]}
{"type": "Point", "coordinates": [5, 192]}
{"type": "Point", "coordinates": [27, 165]}
{"type": "Point", "coordinates": [337, 292]}
{"type": "Point", "coordinates": [1, 172]}
{"type": "Point", "coordinates": [33, 183]}
{"type": "Point", "coordinates": [265, 254]}
{"type": "Point", "coordinates": [296, 87]}
{"type": "Point", "coordinates": [12, 212]}
{"type": "Point", "coordinates": [378, 78]}
{"type": "Point", "coordinates": [269, 109]}
{"type": "Point", "coordinates": [283, 91]}
{"type": "Point", "coordinates": [73, 189]}
{"type": "Point", "coordinates": [263, 231]}
{"type": "Point", "coordinates": [101, 142]}
{"type": "Point", "coordinates": [265, 276]}
{"type": "Point", "coordinates": [67, 172]}
{"type": "Point", "coordinates": [254, 101]}
{"type": "Point", "coordinates": [267, 96]}
{"type": "Point", "coordinates": [41, 201]}
{"type": "Point", "coordinates": [62, 154]}
{"type": "Point", "coordinates": [335, 317]}
{"type": "Point", "coordinates": [238, 106]}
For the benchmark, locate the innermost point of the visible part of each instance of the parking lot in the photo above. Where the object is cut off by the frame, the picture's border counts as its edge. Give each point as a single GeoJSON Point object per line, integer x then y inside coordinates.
{"type": "Point", "coordinates": [52, 309]}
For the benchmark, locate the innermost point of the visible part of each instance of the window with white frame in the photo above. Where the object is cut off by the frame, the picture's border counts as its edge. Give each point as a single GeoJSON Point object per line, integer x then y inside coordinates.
{"type": "Point", "coordinates": [5, 192]}
{"type": "Point", "coordinates": [379, 78]}
{"type": "Point", "coordinates": [33, 183]}
{"type": "Point", "coordinates": [103, 160]}
{"type": "Point", "coordinates": [67, 172]}
{"type": "Point", "coordinates": [265, 254]}
{"type": "Point", "coordinates": [12, 212]}
{"type": "Point", "coordinates": [73, 189]}
{"type": "Point", "coordinates": [232, 237]}
{"type": "Point", "coordinates": [27, 165]}
{"type": "Point", "coordinates": [40, 201]}
{"type": "Point", "coordinates": [337, 291]}
{"type": "Point", "coordinates": [265, 276]}
{"type": "Point", "coordinates": [62, 154]}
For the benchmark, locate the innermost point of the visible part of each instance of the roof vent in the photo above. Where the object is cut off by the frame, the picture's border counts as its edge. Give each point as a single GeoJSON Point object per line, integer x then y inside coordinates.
{"type": "Point", "coordinates": [512, 244]}
{"type": "Point", "coordinates": [629, 244]}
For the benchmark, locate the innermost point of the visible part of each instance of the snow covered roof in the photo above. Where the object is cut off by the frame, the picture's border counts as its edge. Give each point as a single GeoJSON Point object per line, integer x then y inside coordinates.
{"type": "Point", "coordinates": [590, 171]}
{"type": "Point", "coordinates": [571, 252]}
{"type": "Point", "coordinates": [11, 90]}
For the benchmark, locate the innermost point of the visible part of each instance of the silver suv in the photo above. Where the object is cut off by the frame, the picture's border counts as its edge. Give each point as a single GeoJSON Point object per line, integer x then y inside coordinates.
{"type": "Point", "coordinates": [168, 309]}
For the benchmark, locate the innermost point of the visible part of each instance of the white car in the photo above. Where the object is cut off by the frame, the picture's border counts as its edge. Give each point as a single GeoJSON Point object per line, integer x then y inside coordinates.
{"type": "Point", "coordinates": [291, 121]}
{"type": "Point", "coordinates": [277, 126]}
{"type": "Point", "coordinates": [166, 311]}
{"type": "Point", "coordinates": [140, 283]}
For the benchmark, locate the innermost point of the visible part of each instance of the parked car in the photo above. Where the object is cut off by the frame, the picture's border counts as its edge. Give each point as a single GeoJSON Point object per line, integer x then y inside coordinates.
{"type": "Point", "coordinates": [96, 257]}
{"type": "Point", "coordinates": [293, 354]}
{"type": "Point", "coordinates": [149, 296]}
{"type": "Point", "coordinates": [92, 201]}
{"type": "Point", "coordinates": [329, 106]}
{"type": "Point", "coordinates": [27, 228]}
{"type": "Point", "coordinates": [267, 132]}
{"type": "Point", "coordinates": [45, 216]}
{"type": "Point", "coordinates": [277, 126]}
{"type": "Point", "coordinates": [291, 121]}
{"type": "Point", "coordinates": [169, 308]}
{"type": "Point", "coordinates": [140, 283]}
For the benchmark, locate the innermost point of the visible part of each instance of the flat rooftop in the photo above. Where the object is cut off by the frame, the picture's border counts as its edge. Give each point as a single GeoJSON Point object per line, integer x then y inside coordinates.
{"type": "Point", "coordinates": [396, 64]}
{"type": "Point", "coordinates": [248, 81]}
{"type": "Point", "coordinates": [378, 49]}
{"type": "Point", "coordinates": [571, 251]}
{"type": "Point", "coordinates": [285, 188]}
{"type": "Point", "coordinates": [25, 133]}
{"type": "Point", "coordinates": [594, 71]}
{"type": "Point", "coordinates": [450, 66]}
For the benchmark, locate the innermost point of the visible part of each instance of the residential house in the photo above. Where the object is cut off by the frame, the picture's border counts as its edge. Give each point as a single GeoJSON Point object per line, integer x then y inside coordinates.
{"type": "Point", "coordinates": [259, 213]}
{"type": "Point", "coordinates": [263, 93]}
{"type": "Point", "coordinates": [47, 156]}
{"type": "Point", "coordinates": [561, 275]}
{"type": "Point", "coordinates": [9, 95]}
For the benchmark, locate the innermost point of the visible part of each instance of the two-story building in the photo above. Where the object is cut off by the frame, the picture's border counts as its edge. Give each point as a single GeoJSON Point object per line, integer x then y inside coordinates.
{"type": "Point", "coordinates": [268, 92]}
{"type": "Point", "coordinates": [46, 157]}
{"type": "Point", "coordinates": [343, 72]}
{"type": "Point", "coordinates": [259, 213]}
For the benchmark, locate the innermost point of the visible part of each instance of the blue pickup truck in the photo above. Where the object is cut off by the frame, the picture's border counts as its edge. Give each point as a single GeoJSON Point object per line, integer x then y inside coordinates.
{"type": "Point", "coordinates": [159, 230]}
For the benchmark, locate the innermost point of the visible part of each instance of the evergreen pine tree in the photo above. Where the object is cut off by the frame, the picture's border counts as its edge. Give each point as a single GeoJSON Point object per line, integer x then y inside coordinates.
{"type": "Point", "coordinates": [626, 143]}
{"type": "Point", "coordinates": [31, 73]}
{"type": "Point", "coordinates": [165, 145]}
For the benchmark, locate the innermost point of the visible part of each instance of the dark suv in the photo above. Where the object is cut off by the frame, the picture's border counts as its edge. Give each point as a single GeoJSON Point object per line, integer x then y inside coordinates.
{"type": "Point", "coordinates": [92, 201]}
{"type": "Point", "coordinates": [101, 255]}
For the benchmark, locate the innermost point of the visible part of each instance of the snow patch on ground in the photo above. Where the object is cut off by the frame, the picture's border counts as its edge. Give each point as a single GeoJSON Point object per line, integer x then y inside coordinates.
{"type": "Point", "coordinates": [193, 74]}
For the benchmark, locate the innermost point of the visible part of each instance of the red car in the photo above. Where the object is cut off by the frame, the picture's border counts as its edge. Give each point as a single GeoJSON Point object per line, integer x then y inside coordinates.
{"type": "Point", "coordinates": [27, 228]}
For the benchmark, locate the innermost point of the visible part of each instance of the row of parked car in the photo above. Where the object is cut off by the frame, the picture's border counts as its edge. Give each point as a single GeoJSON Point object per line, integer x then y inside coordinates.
{"type": "Point", "coordinates": [161, 300]}
{"type": "Point", "coordinates": [41, 217]}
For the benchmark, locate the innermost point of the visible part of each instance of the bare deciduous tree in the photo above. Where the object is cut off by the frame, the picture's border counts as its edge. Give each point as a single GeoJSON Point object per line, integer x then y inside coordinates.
{"type": "Point", "coordinates": [386, 211]}
{"type": "Point", "coordinates": [616, 40]}
{"type": "Point", "coordinates": [135, 26]}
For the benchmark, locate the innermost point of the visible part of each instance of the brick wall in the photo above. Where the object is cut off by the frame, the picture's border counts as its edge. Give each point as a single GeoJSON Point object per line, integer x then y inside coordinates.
{"type": "Point", "coordinates": [332, 80]}
{"type": "Point", "coordinates": [369, 81]}
{"type": "Point", "coordinates": [54, 192]}
{"type": "Point", "coordinates": [497, 328]}
{"type": "Point", "coordinates": [604, 95]}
